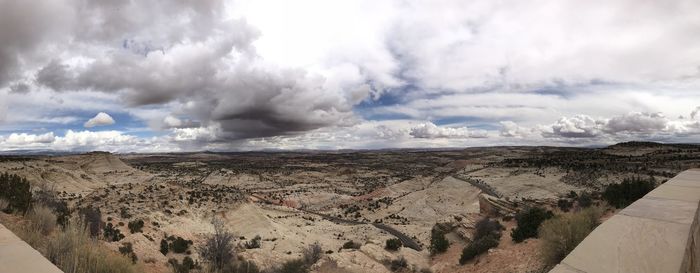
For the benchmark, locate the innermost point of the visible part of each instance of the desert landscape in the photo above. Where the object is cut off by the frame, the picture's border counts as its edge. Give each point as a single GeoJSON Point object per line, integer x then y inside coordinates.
{"type": "Point", "coordinates": [350, 203]}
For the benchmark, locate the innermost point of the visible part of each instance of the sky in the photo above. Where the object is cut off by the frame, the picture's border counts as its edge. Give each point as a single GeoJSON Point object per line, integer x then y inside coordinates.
{"type": "Point", "coordinates": [193, 75]}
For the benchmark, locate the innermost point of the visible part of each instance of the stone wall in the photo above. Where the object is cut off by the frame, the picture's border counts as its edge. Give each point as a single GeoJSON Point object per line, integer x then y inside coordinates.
{"type": "Point", "coordinates": [658, 233]}
{"type": "Point", "coordinates": [16, 256]}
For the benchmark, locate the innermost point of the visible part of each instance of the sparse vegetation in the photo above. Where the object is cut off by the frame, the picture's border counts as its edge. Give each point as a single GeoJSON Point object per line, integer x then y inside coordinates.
{"type": "Point", "coordinates": [561, 234]}
{"type": "Point", "coordinates": [253, 243]}
{"type": "Point", "coordinates": [218, 249]}
{"type": "Point", "coordinates": [397, 264]}
{"type": "Point", "coordinates": [42, 218]}
{"type": "Point", "coordinates": [529, 221]}
{"type": "Point", "coordinates": [312, 253]}
{"type": "Point", "coordinates": [72, 249]}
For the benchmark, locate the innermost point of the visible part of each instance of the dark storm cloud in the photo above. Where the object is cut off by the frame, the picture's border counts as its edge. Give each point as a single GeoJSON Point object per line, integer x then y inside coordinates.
{"type": "Point", "coordinates": [186, 52]}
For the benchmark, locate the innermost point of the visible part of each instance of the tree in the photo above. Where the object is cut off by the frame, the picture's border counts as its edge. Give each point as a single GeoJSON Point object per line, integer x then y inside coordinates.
{"type": "Point", "coordinates": [218, 247]}
{"type": "Point", "coordinates": [17, 191]}
{"type": "Point", "coordinates": [438, 242]}
{"type": "Point", "coordinates": [625, 193]}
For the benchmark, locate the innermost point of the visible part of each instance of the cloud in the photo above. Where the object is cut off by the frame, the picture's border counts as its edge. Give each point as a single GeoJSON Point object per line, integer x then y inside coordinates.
{"type": "Point", "coordinates": [637, 123]}
{"type": "Point", "coordinates": [430, 130]}
{"type": "Point", "coordinates": [101, 119]}
{"type": "Point", "coordinates": [511, 129]}
{"type": "Point", "coordinates": [24, 139]}
{"type": "Point", "coordinates": [627, 126]}
{"type": "Point", "coordinates": [580, 126]}
{"type": "Point", "coordinates": [227, 73]}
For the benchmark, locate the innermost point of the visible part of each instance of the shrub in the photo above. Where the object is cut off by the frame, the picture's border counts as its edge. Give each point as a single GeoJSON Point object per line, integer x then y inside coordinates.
{"type": "Point", "coordinates": [312, 253]}
{"type": "Point", "coordinates": [585, 200]}
{"type": "Point", "coordinates": [218, 248]}
{"type": "Point", "coordinates": [486, 227]}
{"type": "Point", "coordinates": [477, 247]}
{"type": "Point", "coordinates": [293, 266]}
{"type": "Point", "coordinates": [17, 191]}
{"type": "Point", "coordinates": [351, 245]}
{"type": "Point", "coordinates": [398, 264]}
{"type": "Point", "coordinates": [180, 245]}
{"type": "Point", "coordinates": [253, 243]}
{"type": "Point", "coordinates": [135, 226]}
{"type": "Point", "coordinates": [127, 250]}
{"type": "Point", "coordinates": [393, 244]}
{"type": "Point", "coordinates": [43, 219]}
{"type": "Point", "coordinates": [560, 235]}
{"type": "Point", "coordinates": [529, 221]}
{"type": "Point", "coordinates": [112, 234]}
{"type": "Point", "coordinates": [184, 267]}
{"type": "Point", "coordinates": [487, 234]}
{"type": "Point", "coordinates": [631, 189]}
{"type": "Point", "coordinates": [438, 242]}
{"type": "Point", "coordinates": [164, 247]}
{"type": "Point", "coordinates": [564, 204]}
{"type": "Point", "coordinates": [74, 250]}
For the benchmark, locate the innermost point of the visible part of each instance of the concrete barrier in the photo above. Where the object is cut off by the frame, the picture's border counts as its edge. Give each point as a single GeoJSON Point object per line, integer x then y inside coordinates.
{"type": "Point", "coordinates": [658, 233]}
{"type": "Point", "coordinates": [16, 256]}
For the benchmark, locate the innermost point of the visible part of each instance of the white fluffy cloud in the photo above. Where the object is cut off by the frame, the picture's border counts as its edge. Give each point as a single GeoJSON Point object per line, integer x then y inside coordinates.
{"type": "Point", "coordinates": [101, 119]}
{"type": "Point", "coordinates": [430, 130]}
{"type": "Point", "coordinates": [627, 126]}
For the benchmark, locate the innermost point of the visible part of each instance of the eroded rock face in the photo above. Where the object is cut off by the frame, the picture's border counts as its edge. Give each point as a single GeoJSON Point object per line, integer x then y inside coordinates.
{"type": "Point", "coordinates": [494, 206]}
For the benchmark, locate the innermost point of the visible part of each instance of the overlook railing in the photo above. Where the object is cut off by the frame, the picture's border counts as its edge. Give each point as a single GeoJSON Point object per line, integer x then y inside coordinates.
{"type": "Point", "coordinates": [16, 256]}
{"type": "Point", "coordinates": [658, 233]}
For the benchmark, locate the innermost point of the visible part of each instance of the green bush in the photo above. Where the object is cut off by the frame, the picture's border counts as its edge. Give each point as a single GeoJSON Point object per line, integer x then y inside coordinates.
{"type": "Point", "coordinates": [393, 244]}
{"type": "Point", "coordinates": [127, 250]}
{"type": "Point", "coordinates": [438, 242]}
{"type": "Point", "coordinates": [561, 234]}
{"type": "Point", "coordinates": [180, 245]}
{"type": "Point", "coordinates": [564, 204]}
{"type": "Point", "coordinates": [17, 191]}
{"type": "Point", "coordinates": [135, 226]}
{"type": "Point", "coordinates": [529, 221]}
{"type": "Point", "coordinates": [631, 189]}
{"type": "Point", "coordinates": [477, 247]}
{"type": "Point", "coordinates": [585, 200]}
{"type": "Point", "coordinates": [112, 234]}
{"type": "Point", "coordinates": [487, 234]}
